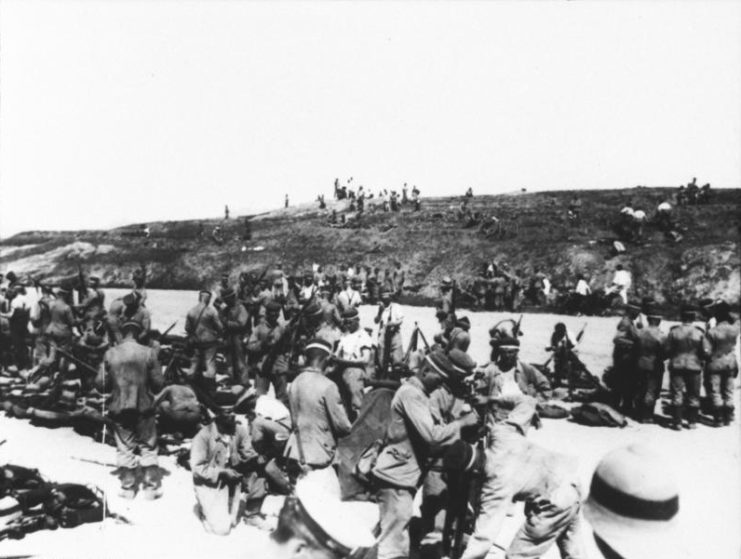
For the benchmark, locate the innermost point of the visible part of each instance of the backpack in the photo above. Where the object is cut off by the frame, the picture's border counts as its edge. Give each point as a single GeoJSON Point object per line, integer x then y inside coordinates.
{"type": "Point", "coordinates": [596, 414]}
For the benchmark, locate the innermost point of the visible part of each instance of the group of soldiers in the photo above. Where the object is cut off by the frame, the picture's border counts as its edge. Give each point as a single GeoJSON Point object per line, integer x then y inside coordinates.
{"type": "Point", "coordinates": [697, 354]}
{"type": "Point", "coordinates": [300, 367]}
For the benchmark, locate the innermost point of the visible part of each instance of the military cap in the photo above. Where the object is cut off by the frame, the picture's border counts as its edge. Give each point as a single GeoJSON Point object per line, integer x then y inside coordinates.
{"type": "Point", "coordinates": [205, 290]}
{"type": "Point", "coordinates": [11, 277]}
{"type": "Point", "coordinates": [721, 309]}
{"type": "Point", "coordinates": [319, 343]}
{"type": "Point", "coordinates": [464, 323]}
{"type": "Point", "coordinates": [328, 522]}
{"type": "Point", "coordinates": [228, 294]}
{"type": "Point", "coordinates": [132, 324]}
{"type": "Point", "coordinates": [633, 306]}
{"type": "Point", "coordinates": [687, 310]}
{"type": "Point", "coordinates": [129, 299]}
{"type": "Point", "coordinates": [94, 279]}
{"type": "Point", "coordinates": [308, 274]}
{"type": "Point", "coordinates": [350, 314]}
{"type": "Point", "coordinates": [447, 282]}
{"type": "Point", "coordinates": [505, 343]}
{"type": "Point", "coordinates": [461, 362]}
{"type": "Point", "coordinates": [273, 307]}
{"type": "Point", "coordinates": [313, 309]}
{"type": "Point", "coordinates": [385, 294]}
{"type": "Point", "coordinates": [64, 288]}
{"type": "Point", "coordinates": [356, 280]}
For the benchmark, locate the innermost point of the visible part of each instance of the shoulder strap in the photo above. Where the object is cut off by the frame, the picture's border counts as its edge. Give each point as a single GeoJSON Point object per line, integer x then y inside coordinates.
{"type": "Point", "coordinates": [299, 442]}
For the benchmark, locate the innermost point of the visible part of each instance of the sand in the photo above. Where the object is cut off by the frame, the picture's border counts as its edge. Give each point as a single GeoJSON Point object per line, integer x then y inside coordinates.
{"type": "Point", "coordinates": [705, 463]}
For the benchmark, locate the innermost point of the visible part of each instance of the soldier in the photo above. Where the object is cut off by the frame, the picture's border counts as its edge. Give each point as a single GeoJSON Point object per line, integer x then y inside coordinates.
{"type": "Point", "coordinates": [389, 320]}
{"type": "Point", "coordinates": [318, 416]}
{"type": "Point", "coordinates": [204, 329]}
{"type": "Point", "coordinates": [234, 318]}
{"type": "Point", "coordinates": [563, 346]}
{"type": "Point", "coordinates": [507, 375]}
{"type": "Point", "coordinates": [135, 311]}
{"type": "Point", "coordinates": [313, 525]}
{"type": "Point", "coordinates": [459, 337]}
{"type": "Point", "coordinates": [412, 437]}
{"type": "Point", "coordinates": [445, 306]}
{"type": "Point", "coordinates": [446, 407]}
{"type": "Point", "coordinates": [269, 352]}
{"type": "Point", "coordinates": [625, 380]}
{"type": "Point", "coordinates": [220, 456]}
{"type": "Point", "coordinates": [60, 332]}
{"type": "Point", "coordinates": [352, 359]}
{"type": "Point", "coordinates": [331, 313]}
{"type": "Point", "coordinates": [92, 307]}
{"type": "Point", "coordinates": [687, 347]}
{"type": "Point", "coordinates": [650, 347]}
{"type": "Point", "coordinates": [519, 470]}
{"type": "Point", "coordinates": [139, 278]}
{"type": "Point", "coordinates": [131, 372]}
{"type": "Point", "coordinates": [315, 325]}
{"type": "Point", "coordinates": [722, 368]}
{"type": "Point", "coordinates": [350, 296]}
{"type": "Point", "coordinates": [308, 288]}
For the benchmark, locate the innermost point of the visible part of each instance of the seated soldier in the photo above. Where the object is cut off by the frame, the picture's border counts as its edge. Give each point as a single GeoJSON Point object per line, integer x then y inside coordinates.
{"type": "Point", "coordinates": [507, 375]}
{"type": "Point", "coordinates": [220, 456]}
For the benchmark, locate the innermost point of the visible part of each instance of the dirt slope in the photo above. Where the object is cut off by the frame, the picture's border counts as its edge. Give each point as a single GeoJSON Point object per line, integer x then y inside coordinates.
{"type": "Point", "coordinates": [426, 245]}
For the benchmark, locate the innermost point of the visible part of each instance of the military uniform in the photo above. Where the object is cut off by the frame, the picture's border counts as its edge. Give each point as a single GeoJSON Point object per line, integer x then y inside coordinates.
{"type": "Point", "coordinates": [624, 364]}
{"type": "Point", "coordinates": [356, 347]}
{"type": "Point", "coordinates": [204, 328]}
{"type": "Point", "coordinates": [270, 359]}
{"type": "Point", "coordinates": [548, 483]}
{"type": "Point", "coordinates": [650, 347]}
{"type": "Point", "coordinates": [522, 378]}
{"type": "Point", "coordinates": [319, 420]}
{"type": "Point", "coordinates": [687, 347]}
{"type": "Point", "coordinates": [722, 368]}
{"type": "Point", "coordinates": [235, 318]}
{"type": "Point", "coordinates": [412, 437]}
{"type": "Point", "coordinates": [389, 333]}
{"type": "Point", "coordinates": [133, 373]}
{"type": "Point", "coordinates": [211, 454]}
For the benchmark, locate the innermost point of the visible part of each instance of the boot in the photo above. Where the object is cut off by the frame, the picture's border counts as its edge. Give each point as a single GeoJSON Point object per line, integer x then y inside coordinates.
{"type": "Point", "coordinates": [692, 415]}
{"type": "Point", "coordinates": [127, 476]}
{"type": "Point", "coordinates": [152, 485]}
{"type": "Point", "coordinates": [718, 414]}
{"type": "Point", "coordinates": [727, 415]}
{"type": "Point", "coordinates": [676, 423]}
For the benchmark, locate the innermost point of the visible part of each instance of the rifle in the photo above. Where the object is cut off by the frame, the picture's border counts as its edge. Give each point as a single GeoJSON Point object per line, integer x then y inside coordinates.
{"type": "Point", "coordinates": [81, 284]}
{"type": "Point", "coordinates": [288, 333]}
{"type": "Point", "coordinates": [516, 332]}
{"type": "Point", "coordinates": [579, 336]}
{"type": "Point", "coordinates": [169, 329]}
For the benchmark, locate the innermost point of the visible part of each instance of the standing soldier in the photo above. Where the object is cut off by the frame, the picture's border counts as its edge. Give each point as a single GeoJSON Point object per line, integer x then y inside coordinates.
{"type": "Point", "coordinates": [412, 438]}
{"type": "Point", "coordinates": [650, 353]}
{"type": "Point", "coordinates": [203, 328]}
{"type": "Point", "coordinates": [59, 333]}
{"type": "Point", "coordinates": [623, 359]}
{"type": "Point", "coordinates": [92, 306]}
{"type": "Point", "coordinates": [350, 296]}
{"type": "Point", "coordinates": [352, 359]}
{"type": "Point", "coordinates": [132, 373]}
{"type": "Point", "coordinates": [234, 317]}
{"type": "Point", "coordinates": [269, 352]}
{"type": "Point", "coordinates": [389, 320]}
{"type": "Point", "coordinates": [318, 416]}
{"type": "Point", "coordinates": [722, 368]}
{"type": "Point", "coordinates": [445, 306]}
{"type": "Point", "coordinates": [687, 347]}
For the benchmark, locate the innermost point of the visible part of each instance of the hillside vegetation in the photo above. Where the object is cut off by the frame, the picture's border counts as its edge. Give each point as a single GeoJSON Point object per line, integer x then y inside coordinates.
{"type": "Point", "coordinates": [427, 245]}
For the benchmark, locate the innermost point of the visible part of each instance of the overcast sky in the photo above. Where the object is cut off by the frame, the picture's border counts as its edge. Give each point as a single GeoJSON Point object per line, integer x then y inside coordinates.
{"type": "Point", "coordinates": [115, 112]}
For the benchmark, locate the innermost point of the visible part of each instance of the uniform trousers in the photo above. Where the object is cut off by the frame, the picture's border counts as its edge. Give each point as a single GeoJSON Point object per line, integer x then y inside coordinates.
{"type": "Point", "coordinates": [396, 509]}
{"type": "Point", "coordinates": [204, 359]}
{"type": "Point", "coordinates": [721, 385]}
{"type": "Point", "coordinates": [689, 381]}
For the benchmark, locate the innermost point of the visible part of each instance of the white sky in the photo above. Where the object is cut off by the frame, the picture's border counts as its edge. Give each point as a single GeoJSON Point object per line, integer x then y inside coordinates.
{"type": "Point", "coordinates": [115, 112]}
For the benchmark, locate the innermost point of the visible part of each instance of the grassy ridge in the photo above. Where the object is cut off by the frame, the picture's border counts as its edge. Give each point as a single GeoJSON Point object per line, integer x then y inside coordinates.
{"type": "Point", "coordinates": [426, 245]}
